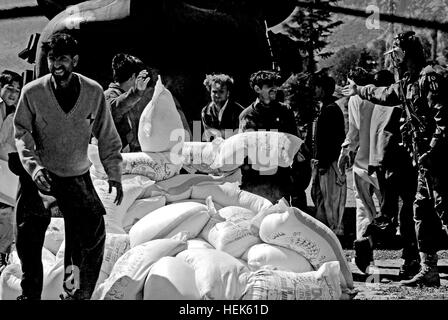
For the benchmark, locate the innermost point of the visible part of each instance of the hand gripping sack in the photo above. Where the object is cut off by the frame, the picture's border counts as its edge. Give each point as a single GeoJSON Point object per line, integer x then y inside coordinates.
{"type": "Point", "coordinates": [160, 127]}
{"type": "Point", "coordinates": [295, 230]}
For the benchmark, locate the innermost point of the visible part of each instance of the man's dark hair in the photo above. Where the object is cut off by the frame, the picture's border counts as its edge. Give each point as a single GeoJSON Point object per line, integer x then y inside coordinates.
{"type": "Point", "coordinates": [261, 78]}
{"type": "Point", "coordinates": [222, 79]}
{"type": "Point", "coordinates": [384, 78]}
{"type": "Point", "coordinates": [124, 66]}
{"type": "Point", "coordinates": [7, 77]}
{"type": "Point", "coordinates": [361, 76]}
{"type": "Point", "coordinates": [61, 44]}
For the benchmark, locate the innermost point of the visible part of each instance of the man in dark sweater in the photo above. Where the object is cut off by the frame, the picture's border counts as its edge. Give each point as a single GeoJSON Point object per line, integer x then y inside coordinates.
{"type": "Point", "coordinates": [220, 117]}
{"type": "Point", "coordinates": [266, 113]}
{"type": "Point", "coordinates": [56, 116]}
{"type": "Point", "coordinates": [329, 188]}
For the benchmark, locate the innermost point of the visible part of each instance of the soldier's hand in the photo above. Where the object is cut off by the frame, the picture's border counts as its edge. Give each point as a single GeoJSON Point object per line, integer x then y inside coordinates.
{"type": "Point", "coordinates": [43, 180]}
{"type": "Point", "coordinates": [117, 185]}
{"type": "Point", "coordinates": [351, 89]}
{"type": "Point", "coordinates": [142, 80]}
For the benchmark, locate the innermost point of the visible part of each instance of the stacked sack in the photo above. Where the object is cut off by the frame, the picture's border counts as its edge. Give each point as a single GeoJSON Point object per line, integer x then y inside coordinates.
{"type": "Point", "coordinates": [264, 149]}
{"type": "Point", "coordinates": [221, 243]}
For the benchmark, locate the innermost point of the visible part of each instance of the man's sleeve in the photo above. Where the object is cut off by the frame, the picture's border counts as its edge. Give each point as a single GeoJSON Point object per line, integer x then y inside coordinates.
{"type": "Point", "coordinates": [25, 143]}
{"type": "Point", "coordinates": [352, 138]}
{"type": "Point", "coordinates": [109, 144]}
{"type": "Point", "coordinates": [440, 111]}
{"type": "Point", "coordinates": [120, 104]}
{"type": "Point", "coordinates": [385, 96]}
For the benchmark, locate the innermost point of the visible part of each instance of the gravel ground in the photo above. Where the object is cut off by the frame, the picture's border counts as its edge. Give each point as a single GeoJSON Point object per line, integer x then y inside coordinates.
{"type": "Point", "coordinates": [388, 288]}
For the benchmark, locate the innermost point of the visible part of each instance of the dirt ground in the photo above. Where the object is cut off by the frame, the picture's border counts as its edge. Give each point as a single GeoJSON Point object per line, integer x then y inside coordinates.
{"type": "Point", "coordinates": [382, 282]}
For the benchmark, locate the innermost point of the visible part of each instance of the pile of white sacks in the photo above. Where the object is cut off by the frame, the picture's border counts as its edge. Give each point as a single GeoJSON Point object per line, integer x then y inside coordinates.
{"type": "Point", "coordinates": [184, 239]}
{"type": "Point", "coordinates": [194, 236]}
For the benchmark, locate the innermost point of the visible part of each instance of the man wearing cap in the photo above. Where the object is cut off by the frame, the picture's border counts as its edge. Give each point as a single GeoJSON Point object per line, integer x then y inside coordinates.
{"type": "Point", "coordinates": [424, 135]}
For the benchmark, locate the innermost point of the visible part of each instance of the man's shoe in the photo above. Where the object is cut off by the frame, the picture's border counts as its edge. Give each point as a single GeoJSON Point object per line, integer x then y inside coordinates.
{"type": "Point", "coordinates": [363, 253]}
{"type": "Point", "coordinates": [428, 275]}
{"type": "Point", "coordinates": [409, 269]}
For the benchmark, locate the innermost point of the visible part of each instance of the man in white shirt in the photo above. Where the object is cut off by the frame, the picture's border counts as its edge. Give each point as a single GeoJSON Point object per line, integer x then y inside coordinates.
{"type": "Point", "coordinates": [365, 185]}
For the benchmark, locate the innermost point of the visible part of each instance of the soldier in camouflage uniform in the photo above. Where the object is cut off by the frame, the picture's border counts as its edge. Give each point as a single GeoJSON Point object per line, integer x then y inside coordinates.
{"type": "Point", "coordinates": [424, 135]}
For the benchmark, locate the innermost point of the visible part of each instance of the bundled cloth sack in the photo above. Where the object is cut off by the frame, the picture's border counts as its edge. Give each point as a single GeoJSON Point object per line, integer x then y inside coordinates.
{"type": "Point", "coordinates": [296, 230]}
{"type": "Point", "coordinates": [199, 156]}
{"type": "Point", "coordinates": [180, 187]}
{"type": "Point", "coordinates": [217, 273]}
{"type": "Point", "coordinates": [10, 282]}
{"type": "Point", "coordinates": [271, 284]}
{"type": "Point", "coordinates": [156, 166]}
{"type": "Point", "coordinates": [233, 234]}
{"type": "Point", "coordinates": [11, 276]}
{"type": "Point", "coordinates": [55, 234]}
{"type": "Point", "coordinates": [264, 254]}
{"type": "Point", "coordinates": [171, 278]}
{"type": "Point", "coordinates": [165, 222]}
{"type": "Point", "coordinates": [160, 128]}
{"type": "Point", "coordinates": [139, 209]}
{"type": "Point", "coordinates": [127, 279]}
{"type": "Point", "coordinates": [264, 149]}
{"type": "Point", "coordinates": [54, 281]}
{"type": "Point", "coordinates": [229, 194]}
{"type": "Point", "coordinates": [132, 188]}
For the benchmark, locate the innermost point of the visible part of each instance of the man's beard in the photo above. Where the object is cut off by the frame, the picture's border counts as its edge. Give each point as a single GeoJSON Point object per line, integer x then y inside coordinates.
{"type": "Point", "coordinates": [59, 77]}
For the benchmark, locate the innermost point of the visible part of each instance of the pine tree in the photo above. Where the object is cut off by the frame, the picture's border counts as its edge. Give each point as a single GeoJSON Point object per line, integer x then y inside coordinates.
{"type": "Point", "coordinates": [311, 28]}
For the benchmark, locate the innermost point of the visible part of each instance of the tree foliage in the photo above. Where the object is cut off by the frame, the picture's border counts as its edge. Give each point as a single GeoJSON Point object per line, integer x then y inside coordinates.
{"type": "Point", "coordinates": [311, 28]}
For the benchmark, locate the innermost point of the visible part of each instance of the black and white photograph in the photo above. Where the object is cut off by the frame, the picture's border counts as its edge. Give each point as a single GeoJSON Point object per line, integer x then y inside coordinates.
{"type": "Point", "coordinates": [224, 155]}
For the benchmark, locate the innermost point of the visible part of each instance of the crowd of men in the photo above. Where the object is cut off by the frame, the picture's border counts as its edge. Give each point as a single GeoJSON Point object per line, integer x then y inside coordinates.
{"type": "Point", "coordinates": [394, 141]}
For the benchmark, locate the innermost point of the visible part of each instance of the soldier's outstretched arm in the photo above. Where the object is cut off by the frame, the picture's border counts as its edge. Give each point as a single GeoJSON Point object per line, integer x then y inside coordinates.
{"type": "Point", "coordinates": [385, 96]}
